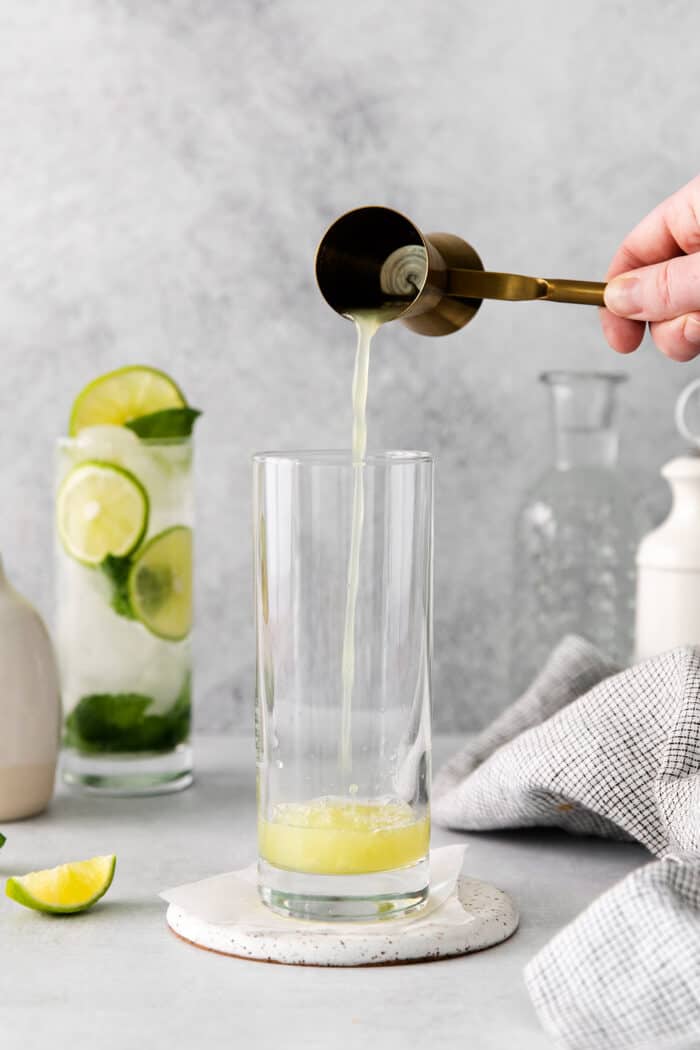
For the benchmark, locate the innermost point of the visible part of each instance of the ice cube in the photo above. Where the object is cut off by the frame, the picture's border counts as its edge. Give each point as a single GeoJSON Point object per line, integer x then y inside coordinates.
{"type": "Point", "coordinates": [162, 469]}
{"type": "Point", "coordinates": [102, 652]}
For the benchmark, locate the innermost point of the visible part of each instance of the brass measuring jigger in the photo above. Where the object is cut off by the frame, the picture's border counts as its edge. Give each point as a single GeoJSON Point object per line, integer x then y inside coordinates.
{"type": "Point", "coordinates": [375, 259]}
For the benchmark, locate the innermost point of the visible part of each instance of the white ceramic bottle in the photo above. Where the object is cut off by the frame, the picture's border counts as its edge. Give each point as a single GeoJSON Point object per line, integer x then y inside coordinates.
{"type": "Point", "coordinates": [668, 559]}
{"type": "Point", "coordinates": [30, 708]}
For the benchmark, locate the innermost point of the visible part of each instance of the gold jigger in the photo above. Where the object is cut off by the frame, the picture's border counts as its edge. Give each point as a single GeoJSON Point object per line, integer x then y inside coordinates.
{"type": "Point", "coordinates": [376, 259]}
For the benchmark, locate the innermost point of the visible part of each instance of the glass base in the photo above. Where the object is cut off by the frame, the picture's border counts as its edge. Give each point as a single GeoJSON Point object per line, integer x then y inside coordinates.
{"type": "Point", "coordinates": [128, 774]}
{"type": "Point", "coordinates": [344, 898]}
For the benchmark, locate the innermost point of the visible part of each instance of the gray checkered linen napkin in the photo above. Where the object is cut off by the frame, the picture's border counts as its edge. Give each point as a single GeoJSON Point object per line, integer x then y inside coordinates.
{"type": "Point", "coordinates": [616, 755]}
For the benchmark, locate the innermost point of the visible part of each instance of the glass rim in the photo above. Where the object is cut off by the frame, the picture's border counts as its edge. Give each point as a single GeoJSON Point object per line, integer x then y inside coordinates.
{"type": "Point", "coordinates": [563, 375]}
{"type": "Point", "coordinates": [342, 457]}
{"type": "Point", "coordinates": [66, 441]}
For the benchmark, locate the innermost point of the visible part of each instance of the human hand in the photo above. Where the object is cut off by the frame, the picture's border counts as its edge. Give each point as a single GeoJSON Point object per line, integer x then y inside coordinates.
{"type": "Point", "coordinates": [660, 284]}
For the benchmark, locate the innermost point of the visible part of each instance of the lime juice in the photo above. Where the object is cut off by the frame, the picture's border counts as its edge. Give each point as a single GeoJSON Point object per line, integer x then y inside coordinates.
{"type": "Point", "coordinates": [124, 517]}
{"type": "Point", "coordinates": [337, 836]}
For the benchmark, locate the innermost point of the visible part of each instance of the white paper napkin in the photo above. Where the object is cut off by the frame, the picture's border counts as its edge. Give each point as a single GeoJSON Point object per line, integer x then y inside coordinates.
{"type": "Point", "coordinates": [233, 898]}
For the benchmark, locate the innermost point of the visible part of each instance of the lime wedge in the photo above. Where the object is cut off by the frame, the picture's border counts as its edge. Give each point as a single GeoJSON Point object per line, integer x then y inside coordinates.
{"type": "Point", "coordinates": [101, 509]}
{"type": "Point", "coordinates": [118, 397]}
{"type": "Point", "coordinates": [160, 584]}
{"type": "Point", "coordinates": [65, 889]}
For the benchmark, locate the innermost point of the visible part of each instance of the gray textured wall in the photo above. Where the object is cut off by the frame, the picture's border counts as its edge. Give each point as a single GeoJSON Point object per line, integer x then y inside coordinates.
{"type": "Point", "coordinates": [166, 168]}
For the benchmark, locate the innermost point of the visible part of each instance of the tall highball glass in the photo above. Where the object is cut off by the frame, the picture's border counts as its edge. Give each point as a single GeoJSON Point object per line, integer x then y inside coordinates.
{"type": "Point", "coordinates": [123, 621]}
{"type": "Point", "coordinates": [343, 681]}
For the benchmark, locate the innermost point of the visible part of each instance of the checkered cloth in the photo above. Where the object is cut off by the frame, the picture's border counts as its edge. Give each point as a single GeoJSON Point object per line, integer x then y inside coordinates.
{"type": "Point", "coordinates": [616, 755]}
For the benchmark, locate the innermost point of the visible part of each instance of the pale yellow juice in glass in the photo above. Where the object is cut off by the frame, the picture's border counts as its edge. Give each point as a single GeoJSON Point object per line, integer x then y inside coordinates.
{"type": "Point", "coordinates": [338, 836]}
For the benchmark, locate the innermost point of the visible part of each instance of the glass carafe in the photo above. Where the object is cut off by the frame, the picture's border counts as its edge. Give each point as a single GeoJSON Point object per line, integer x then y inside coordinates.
{"type": "Point", "coordinates": [575, 534]}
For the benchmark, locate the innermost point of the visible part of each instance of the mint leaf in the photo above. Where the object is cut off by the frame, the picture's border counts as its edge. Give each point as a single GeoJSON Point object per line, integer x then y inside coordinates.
{"type": "Point", "coordinates": [117, 572]}
{"type": "Point", "coordinates": [168, 423]}
{"type": "Point", "coordinates": [119, 722]}
{"type": "Point", "coordinates": [3, 840]}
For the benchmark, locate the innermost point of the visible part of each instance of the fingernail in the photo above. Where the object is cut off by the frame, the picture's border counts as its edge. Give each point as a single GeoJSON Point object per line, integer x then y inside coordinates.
{"type": "Point", "coordinates": [623, 296]}
{"type": "Point", "coordinates": [692, 331]}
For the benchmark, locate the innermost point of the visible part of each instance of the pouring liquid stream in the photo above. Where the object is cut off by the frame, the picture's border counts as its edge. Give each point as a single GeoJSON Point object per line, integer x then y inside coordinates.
{"type": "Point", "coordinates": [403, 274]}
{"type": "Point", "coordinates": [366, 324]}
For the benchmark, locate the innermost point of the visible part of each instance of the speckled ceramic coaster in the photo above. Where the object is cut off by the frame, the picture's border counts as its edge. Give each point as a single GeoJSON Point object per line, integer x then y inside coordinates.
{"type": "Point", "coordinates": [476, 915]}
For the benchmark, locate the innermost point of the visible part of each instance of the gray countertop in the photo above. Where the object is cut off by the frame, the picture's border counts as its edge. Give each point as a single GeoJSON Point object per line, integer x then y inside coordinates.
{"type": "Point", "coordinates": [116, 977]}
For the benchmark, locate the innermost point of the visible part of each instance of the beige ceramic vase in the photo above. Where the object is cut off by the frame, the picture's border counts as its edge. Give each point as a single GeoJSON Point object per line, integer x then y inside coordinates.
{"type": "Point", "coordinates": [30, 708]}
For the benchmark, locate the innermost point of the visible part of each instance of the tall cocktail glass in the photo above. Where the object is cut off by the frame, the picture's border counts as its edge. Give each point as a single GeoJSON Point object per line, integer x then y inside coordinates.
{"type": "Point", "coordinates": [343, 682]}
{"type": "Point", "coordinates": [123, 623]}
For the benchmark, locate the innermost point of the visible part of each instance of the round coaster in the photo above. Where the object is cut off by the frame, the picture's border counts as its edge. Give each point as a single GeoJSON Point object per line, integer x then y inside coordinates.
{"type": "Point", "coordinates": [476, 916]}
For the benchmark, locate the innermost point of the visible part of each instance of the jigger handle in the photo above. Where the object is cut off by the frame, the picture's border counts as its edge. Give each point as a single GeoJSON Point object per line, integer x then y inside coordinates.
{"type": "Point", "coordinates": [515, 287]}
{"type": "Point", "coordinates": [587, 293]}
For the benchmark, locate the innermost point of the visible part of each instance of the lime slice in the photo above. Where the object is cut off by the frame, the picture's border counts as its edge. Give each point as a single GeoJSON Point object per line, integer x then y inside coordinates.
{"type": "Point", "coordinates": [101, 509]}
{"type": "Point", "coordinates": [65, 889]}
{"type": "Point", "coordinates": [126, 394]}
{"type": "Point", "coordinates": [160, 584]}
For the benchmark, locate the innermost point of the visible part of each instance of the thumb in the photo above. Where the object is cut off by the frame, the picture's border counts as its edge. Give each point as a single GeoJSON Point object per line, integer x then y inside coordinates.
{"type": "Point", "coordinates": [657, 293]}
